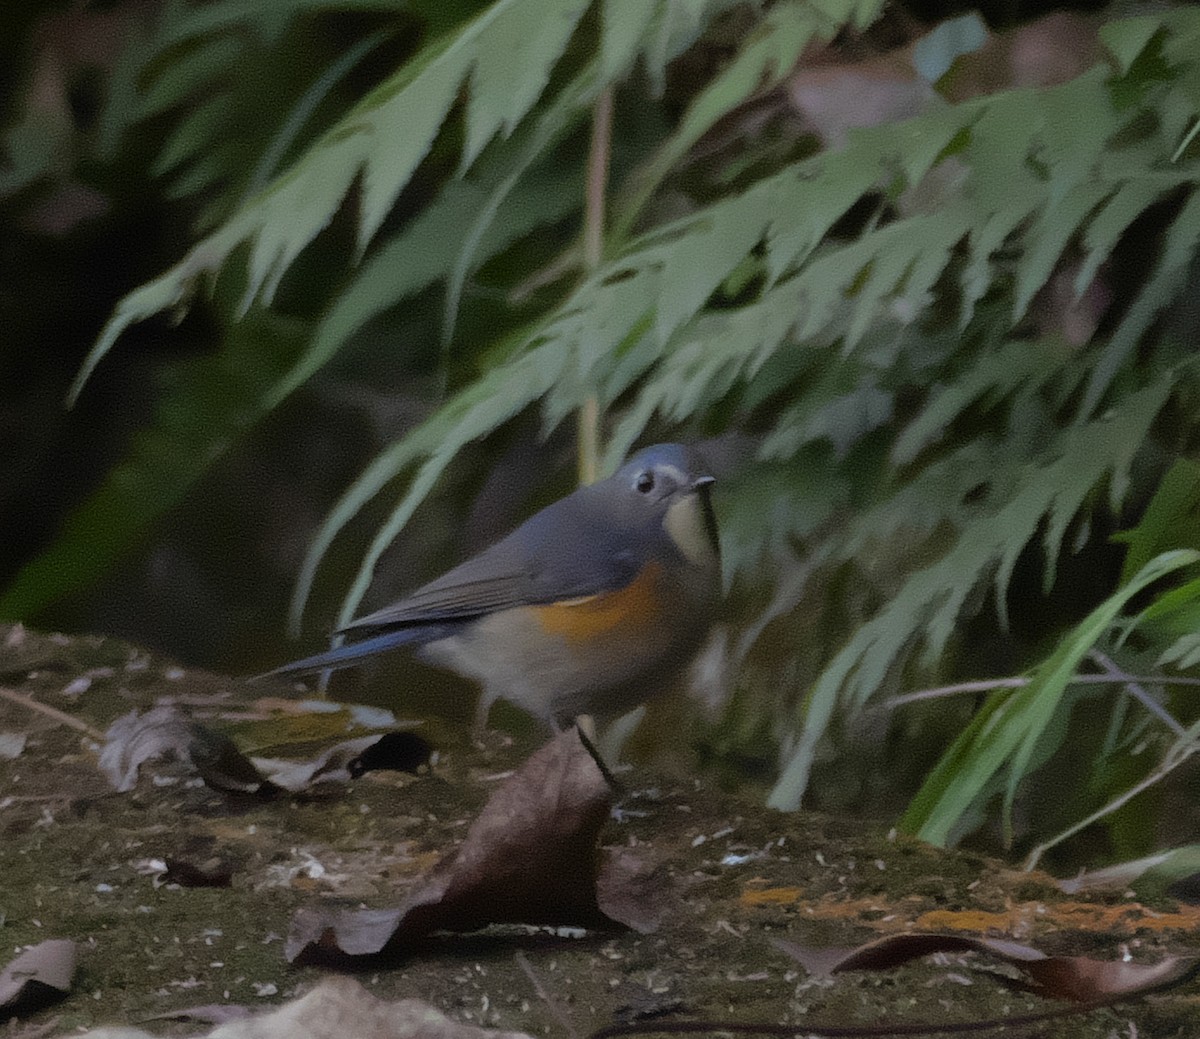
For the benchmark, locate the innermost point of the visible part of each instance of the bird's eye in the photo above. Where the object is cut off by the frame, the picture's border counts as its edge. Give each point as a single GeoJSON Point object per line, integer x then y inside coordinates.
{"type": "Point", "coordinates": [644, 481]}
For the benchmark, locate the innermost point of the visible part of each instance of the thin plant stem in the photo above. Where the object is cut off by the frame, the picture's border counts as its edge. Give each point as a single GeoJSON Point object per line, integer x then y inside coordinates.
{"type": "Point", "coordinates": [52, 712]}
{"type": "Point", "coordinates": [1176, 756]}
{"type": "Point", "coordinates": [597, 180]}
{"type": "Point", "coordinates": [1188, 138]}
{"type": "Point", "coordinates": [988, 685]}
{"type": "Point", "coordinates": [1138, 691]}
{"type": "Point", "coordinates": [552, 1004]}
{"type": "Point", "coordinates": [588, 423]}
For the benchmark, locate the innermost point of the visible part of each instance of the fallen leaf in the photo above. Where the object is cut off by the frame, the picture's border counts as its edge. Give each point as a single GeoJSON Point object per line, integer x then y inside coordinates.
{"type": "Point", "coordinates": [209, 1013]}
{"type": "Point", "coordinates": [834, 99]}
{"type": "Point", "coordinates": [1081, 979]}
{"type": "Point", "coordinates": [341, 1007]}
{"type": "Point", "coordinates": [338, 1008]}
{"type": "Point", "coordinates": [39, 975]}
{"type": "Point", "coordinates": [271, 727]}
{"type": "Point", "coordinates": [632, 891]}
{"type": "Point", "coordinates": [529, 857]}
{"type": "Point", "coordinates": [1078, 979]}
{"type": "Point", "coordinates": [213, 873]}
{"type": "Point", "coordinates": [166, 732]}
{"type": "Point", "coordinates": [12, 744]}
{"type": "Point", "coordinates": [393, 751]}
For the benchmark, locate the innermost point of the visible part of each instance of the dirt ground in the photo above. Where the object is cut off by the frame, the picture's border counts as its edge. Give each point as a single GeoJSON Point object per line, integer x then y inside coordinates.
{"type": "Point", "coordinates": [79, 860]}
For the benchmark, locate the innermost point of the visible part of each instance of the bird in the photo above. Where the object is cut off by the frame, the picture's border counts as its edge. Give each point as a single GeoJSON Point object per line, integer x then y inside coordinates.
{"type": "Point", "coordinates": [589, 607]}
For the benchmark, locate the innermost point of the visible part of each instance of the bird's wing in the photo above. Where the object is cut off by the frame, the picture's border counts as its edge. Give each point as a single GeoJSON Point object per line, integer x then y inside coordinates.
{"type": "Point", "coordinates": [555, 555]}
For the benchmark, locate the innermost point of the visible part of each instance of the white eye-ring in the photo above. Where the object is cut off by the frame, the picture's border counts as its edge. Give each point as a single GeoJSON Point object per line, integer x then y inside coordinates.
{"type": "Point", "coordinates": [644, 481]}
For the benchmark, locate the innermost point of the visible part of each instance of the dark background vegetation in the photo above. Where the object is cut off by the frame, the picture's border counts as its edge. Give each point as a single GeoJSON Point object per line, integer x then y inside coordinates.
{"type": "Point", "coordinates": [937, 408]}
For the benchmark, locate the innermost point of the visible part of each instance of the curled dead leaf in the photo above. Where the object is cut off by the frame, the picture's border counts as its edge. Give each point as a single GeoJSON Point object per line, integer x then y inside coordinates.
{"type": "Point", "coordinates": [1078, 979]}
{"type": "Point", "coordinates": [530, 857]}
{"type": "Point", "coordinates": [337, 1008]}
{"type": "Point", "coordinates": [39, 975]}
{"type": "Point", "coordinates": [167, 732]}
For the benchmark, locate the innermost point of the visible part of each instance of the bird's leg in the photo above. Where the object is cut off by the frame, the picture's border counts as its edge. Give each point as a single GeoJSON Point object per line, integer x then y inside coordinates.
{"type": "Point", "coordinates": [587, 725]}
{"type": "Point", "coordinates": [482, 709]}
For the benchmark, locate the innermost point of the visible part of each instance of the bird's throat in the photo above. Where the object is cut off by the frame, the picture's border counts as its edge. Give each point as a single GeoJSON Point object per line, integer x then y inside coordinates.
{"type": "Point", "coordinates": [691, 530]}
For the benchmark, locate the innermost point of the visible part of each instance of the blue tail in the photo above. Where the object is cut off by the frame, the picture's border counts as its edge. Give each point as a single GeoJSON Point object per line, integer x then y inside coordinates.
{"type": "Point", "coordinates": [354, 652]}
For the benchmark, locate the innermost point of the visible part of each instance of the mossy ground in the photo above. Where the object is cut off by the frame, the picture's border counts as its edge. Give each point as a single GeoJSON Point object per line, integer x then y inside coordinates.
{"type": "Point", "coordinates": [74, 864]}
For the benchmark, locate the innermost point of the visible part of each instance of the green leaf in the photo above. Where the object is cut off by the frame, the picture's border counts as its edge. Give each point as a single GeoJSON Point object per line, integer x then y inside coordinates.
{"type": "Point", "coordinates": [506, 53]}
{"type": "Point", "coordinates": [1162, 286]}
{"type": "Point", "coordinates": [930, 600]}
{"type": "Point", "coordinates": [428, 249]}
{"type": "Point", "coordinates": [1008, 730]}
{"type": "Point", "coordinates": [1171, 520]}
{"type": "Point", "coordinates": [1149, 877]}
{"type": "Point", "coordinates": [993, 377]}
{"type": "Point", "coordinates": [1131, 199]}
{"type": "Point", "coordinates": [767, 55]}
{"type": "Point", "coordinates": [1128, 38]}
{"type": "Point", "coordinates": [1049, 235]}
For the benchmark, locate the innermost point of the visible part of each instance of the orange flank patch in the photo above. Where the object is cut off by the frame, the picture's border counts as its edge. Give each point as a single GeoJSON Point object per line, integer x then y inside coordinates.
{"type": "Point", "coordinates": [635, 606]}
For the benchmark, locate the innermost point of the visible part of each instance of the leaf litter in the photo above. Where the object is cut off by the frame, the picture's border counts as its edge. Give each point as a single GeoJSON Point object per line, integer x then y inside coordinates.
{"type": "Point", "coordinates": [166, 732]}
{"type": "Point", "coordinates": [337, 1008]}
{"type": "Point", "coordinates": [530, 857]}
{"type": "Point", "coordinates": [738, 874]}
{"type": "Point", "coordinates": [39, 975]}
{"type": "Point", "coordinates": [1079, 979]}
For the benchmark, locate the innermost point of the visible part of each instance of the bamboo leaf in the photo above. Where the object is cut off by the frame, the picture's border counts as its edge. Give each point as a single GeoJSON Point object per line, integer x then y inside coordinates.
{"type": "Point", "coordinates": [1009, 729]}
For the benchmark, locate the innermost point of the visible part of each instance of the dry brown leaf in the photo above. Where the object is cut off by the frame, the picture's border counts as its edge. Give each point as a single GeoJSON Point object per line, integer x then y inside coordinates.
{"type": "Point", "coordinates": [338, 1008]}
{"type": "Point", "coordinates": [835, 98]}
{"type": "Point", "coordinates": [39, 975]}
{"type": "Point", "coordinates": [213, 872]}
{"type": "Point", "coordinates": [1075, 978]}
{"type": "Point", "coordinates": [529, 857]}
{"type": "Point", "coordinates": [166, 732]}
{"type": "Point", "coordinates": [341, 1007]}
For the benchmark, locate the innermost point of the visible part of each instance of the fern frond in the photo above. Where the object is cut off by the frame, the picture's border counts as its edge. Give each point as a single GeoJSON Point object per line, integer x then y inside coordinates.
{"type": "Point", "coordinates": [642, 317]}
{"type": "Point", "coordinates": [505, 55]}
{"type": "Point", "coordinates": [930, 601]}
{"type": "Point", "coordinates": [770, 53]}
{"type": "Point", "coordinates": [1016, 365]}
{"type": "Point", "coordinates": [487, 403]}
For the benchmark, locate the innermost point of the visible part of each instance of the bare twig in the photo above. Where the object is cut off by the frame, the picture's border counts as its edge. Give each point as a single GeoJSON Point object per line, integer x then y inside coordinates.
{"type": "Point", "coordinates": [1176, 755]}
{"type": "Point", "coordinates": [842, 1031]}
{"type": "Point", "coordinates": [588, 424]}
{"type": "Point", "coordinates": [51, 712]}
{"type": "Point", "coordinates": [1138, 691]}
{"type": "Point", "coordinates": [597, 180]}
{"type": "Point", "coordinates": [559, 267]}
{"type": "Point", "coordinates": [988, 685]}
{"type": "Point", "coordinates": [552, 1004]}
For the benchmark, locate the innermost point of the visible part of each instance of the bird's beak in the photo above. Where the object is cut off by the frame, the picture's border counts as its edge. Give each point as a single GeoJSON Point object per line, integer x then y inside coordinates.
{"type": "Point", "coordinates": [703, 481]}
